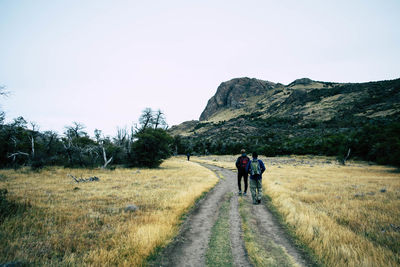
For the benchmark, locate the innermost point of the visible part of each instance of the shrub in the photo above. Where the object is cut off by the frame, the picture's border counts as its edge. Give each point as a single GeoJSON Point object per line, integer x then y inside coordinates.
{"type": "Point", "coordinates": [151, 147]}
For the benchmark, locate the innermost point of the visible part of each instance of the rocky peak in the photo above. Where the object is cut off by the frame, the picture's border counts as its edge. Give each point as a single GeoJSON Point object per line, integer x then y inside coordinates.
{"type": "Point", "coordinates": [233, 94]}
{"type": "Point", "coordinates": [302, 81]}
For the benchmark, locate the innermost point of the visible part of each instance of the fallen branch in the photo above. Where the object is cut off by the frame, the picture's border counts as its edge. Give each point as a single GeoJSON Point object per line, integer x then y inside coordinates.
{"type": "Point", "coordinates": [14, 155]}
{"type": "Point", "coordinates": [73, 177]}
{"type": "Point", "coordinates": [84, 180]}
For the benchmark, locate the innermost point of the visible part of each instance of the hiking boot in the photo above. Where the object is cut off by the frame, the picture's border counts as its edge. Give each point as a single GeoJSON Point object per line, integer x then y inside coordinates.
{"type": "Point", "coordinates": [255, 202]}
{"type": "Point", "coordinates": [244, 194]}
{"type": "Point", "coordinates": [259, 201]}
{"type": "Point", "coordinates": [240, 192]}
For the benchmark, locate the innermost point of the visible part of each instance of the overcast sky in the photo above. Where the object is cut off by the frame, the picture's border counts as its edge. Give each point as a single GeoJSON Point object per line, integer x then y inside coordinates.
{"type": "Point", "coordinates": [101, 63]}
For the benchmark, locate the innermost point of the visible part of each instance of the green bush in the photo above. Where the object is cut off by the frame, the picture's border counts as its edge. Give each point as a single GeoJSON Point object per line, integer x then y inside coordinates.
{"type": "Point", "coordinates": [151, 148]}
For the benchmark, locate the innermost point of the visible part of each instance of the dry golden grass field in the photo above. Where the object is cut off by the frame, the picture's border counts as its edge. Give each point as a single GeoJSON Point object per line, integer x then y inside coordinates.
{"type": "Point", "coordinates": [74, 224]}
{"type": "Point", "coordinates": [348, 215]}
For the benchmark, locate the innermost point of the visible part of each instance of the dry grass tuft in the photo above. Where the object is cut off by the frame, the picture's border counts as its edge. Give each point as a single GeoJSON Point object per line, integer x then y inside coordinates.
{"type": "Point", "coordinates": [349, 215]}
{"type": "Point", "coordinates": [85, 223]}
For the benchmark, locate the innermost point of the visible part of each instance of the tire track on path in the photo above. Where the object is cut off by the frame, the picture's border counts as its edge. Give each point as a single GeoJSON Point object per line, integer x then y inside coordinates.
{"type": "Point", "coordinates": [238, 248]}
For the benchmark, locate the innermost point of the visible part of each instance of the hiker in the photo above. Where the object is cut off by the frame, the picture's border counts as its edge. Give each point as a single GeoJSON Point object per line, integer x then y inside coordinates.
{"type": "Point", "coordinates": [256, 168]}
{"type": "Point", "coordinates": [188, 156]}
{"type": "Point", "coordinates": [241, 164]}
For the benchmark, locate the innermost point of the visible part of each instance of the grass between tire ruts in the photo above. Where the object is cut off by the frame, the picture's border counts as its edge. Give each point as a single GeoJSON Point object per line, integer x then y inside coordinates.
{"type": "Point", "coordinates": [219, 251]}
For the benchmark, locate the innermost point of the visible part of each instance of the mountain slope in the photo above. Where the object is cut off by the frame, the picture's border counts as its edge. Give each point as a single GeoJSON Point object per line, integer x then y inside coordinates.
{"type": "Point", "coordinates": [289, 118]}
{"type": "Point", "coordinates": [306, 100]}
{"type": "Point", "coordinates": [310, 99]}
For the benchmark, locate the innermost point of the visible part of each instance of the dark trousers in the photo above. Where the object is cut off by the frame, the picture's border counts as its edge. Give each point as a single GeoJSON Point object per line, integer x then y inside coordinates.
{"type": "Point", "coordinates": [245, 176]}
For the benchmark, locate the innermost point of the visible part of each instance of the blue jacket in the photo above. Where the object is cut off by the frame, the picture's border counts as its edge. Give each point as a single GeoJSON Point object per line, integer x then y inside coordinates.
{"type": "Point", "coordinates": [255, 176]}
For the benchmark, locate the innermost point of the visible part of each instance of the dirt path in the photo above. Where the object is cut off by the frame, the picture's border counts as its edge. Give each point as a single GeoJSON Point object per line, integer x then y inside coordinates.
{"type": "Point", "coordinates": [269, 228]}
{"type": "Point", "coordinates": [190, 246]}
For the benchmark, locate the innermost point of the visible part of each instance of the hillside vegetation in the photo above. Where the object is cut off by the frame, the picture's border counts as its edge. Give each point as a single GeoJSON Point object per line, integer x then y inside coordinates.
{"type": "Point", "coordinates": [304, 117]}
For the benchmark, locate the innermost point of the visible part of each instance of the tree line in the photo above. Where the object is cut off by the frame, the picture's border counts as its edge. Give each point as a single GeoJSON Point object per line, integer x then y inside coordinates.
{"type": "Point", "coordinates": [145, 144]}
{"type": "Point", "coordinates": [375, 141]}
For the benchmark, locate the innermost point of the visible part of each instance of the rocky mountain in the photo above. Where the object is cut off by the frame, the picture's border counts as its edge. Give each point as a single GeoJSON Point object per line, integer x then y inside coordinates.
{"type": "Point", "coordinates": [234, 93]}
{"type": "Point", "coordinates": [312, 100]}
{"type": "Point", "coordinates": [279, 116]}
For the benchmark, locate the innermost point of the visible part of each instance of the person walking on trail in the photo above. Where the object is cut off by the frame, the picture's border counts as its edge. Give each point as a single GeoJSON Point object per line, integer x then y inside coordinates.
{"type": "Point", "coordinates": [241, 164]}
{"type": "Point", "coordinates": [188, 156]}
{"type": "Point", "coordinates": [256, 168]}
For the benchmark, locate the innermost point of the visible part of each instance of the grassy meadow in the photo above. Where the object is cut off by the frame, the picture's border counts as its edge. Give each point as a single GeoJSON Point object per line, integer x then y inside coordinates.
{"type": "Point", "coordinates": [348, 215]}
{"type": "Point", "coordinates": [67, 223]}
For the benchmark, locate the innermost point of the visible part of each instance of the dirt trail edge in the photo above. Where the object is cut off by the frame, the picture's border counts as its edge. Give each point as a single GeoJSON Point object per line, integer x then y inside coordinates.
{"type": "Point", "coordinates": [269, 226]}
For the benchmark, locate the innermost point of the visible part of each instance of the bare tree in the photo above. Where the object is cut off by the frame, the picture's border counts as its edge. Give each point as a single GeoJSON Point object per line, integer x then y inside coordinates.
{"type": "Point", "coordinates": [71, 141]}
{"type": "Point", "coordinates": [106, 162]}
{"type": "Point", "coordinates": [159, 120]}
{"type": "Point", "coordinates": [100, 141]}
{"type": "Point", "coordinates": [3, 93]}
{"type": "Point", "coordinates": [2, 117]}
{"type": "Point", "coordinates": [343, 161]}
{"type": "Point", "coordinates": [121, 137]}
{"type": "Point", "coordinates": [32, 137]}
{"type": "Point", "coordinates": [76, 130]}
{"type": "Point", "coordinates": [146, 119]}
{"type": "Point", "coordinates": [97, 135]}
{"type": "Point", "coordinates": [51, 137]}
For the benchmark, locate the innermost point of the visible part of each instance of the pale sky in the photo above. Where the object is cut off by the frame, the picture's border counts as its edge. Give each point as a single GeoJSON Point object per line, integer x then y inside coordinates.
{"type": "Point", "coordinates": [101, 62]}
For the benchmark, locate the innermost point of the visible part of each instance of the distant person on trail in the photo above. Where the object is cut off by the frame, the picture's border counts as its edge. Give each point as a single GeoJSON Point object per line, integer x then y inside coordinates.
{"type": "Point", "coordinates": [241, 164]}
{"type": "Point", "coordinates": [256, 168]}
{"type": "Point", "coordinates": [188, 156]}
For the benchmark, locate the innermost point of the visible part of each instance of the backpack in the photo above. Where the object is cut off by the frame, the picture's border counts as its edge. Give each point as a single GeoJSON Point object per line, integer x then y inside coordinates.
{"type": "Point", "coordinates": [243, 162]}
{"type": "Point", "coordinates": [255, 167]}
